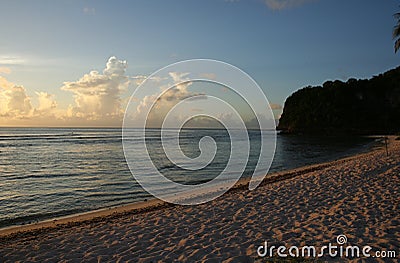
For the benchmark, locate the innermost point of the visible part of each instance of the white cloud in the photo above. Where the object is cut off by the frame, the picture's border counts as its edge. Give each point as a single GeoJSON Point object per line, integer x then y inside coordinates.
{"type": "Point", "coordinates": [89, 10]}
{"type": "Point", "coordinates": [180, 90]}
{"type": "Point", "coordinates": [138, 79]}
{"type": "Point", "coordinates": [171, 96]}
{"type": "Point", "coordinates": [5, 84]}
{"type": "Point", "coordinates": [275, 106]}
{"type": "Point", "coordinates": [5, 70]}
{"type": "Point", "coordinates": [11, 60]}
{"type": "Point", "coordinates": [285, 4]}
{"type": "Point", "coordinates": [97, 95]}
{"type": "Point", "coordinates": [146, 102]}
{"type": "Point", "coordinates": [211, 76]}
{"type": "Point", "coordinates": [14, 102]}
{"type": "Point", "coordinates": [16, 105]}
{"type": "Point", "coordinates": [179, 77]}
{"type": "Point", "coordinates": [47, 102]}
{"type": "Point", "coordinates": [17, 101]}
{"type": "Point", "coordinates": [97, 100]}
{"type": "Point", "coordinates": [175, 91]}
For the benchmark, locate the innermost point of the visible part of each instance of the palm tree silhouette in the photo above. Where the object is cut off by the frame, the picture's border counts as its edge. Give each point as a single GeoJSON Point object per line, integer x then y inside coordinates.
{"type": "Point", "coordinates": [396, 33]}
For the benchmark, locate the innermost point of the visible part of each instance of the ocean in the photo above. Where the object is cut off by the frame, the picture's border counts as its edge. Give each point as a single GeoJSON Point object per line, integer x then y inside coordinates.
{"type": "Point", "coordinates": [52, 172]}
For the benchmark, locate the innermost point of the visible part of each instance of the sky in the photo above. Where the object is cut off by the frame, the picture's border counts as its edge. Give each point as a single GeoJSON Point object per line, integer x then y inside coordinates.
{"type": "Point", "coordinates": [77, 63]}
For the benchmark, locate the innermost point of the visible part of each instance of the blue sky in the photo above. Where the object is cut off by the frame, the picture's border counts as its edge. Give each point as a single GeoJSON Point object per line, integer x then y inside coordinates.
{"type": "Point", "coordinates": [283, 45]}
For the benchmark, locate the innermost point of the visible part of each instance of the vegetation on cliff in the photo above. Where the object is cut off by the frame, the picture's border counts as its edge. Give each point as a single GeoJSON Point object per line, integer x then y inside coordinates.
{"type": "Point", "coordinates": [353, 107]}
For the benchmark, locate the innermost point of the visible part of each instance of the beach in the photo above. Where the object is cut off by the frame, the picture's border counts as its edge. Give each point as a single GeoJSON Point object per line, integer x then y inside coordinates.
{"type": "Point", "coordinates": [357, 197]}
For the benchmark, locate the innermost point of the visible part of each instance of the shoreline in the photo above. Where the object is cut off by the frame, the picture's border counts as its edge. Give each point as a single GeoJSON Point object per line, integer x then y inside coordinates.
{"type": "Point", "coordinates": [44, 214]}
{"type": "Point", "coordinates": [356, 196]}
{"type": "Point", "coordinates": [156, 204]}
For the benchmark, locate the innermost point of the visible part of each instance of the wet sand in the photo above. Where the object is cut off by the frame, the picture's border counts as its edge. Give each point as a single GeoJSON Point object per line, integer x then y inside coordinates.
{"type": "Point", "coordinates": [357, 196]}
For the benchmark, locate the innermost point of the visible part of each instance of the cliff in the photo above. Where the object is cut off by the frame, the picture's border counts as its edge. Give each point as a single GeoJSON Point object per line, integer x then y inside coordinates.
{"type": "Point", "coordinates": [367, 106]}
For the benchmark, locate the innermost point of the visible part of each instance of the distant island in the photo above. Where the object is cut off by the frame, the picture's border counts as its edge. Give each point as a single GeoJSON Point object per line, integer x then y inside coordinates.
{"type": "Point", "coordinates": [365, 106]}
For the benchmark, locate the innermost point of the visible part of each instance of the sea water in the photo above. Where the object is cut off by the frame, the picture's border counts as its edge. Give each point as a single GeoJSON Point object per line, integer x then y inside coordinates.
{"type": "Point", "coordinates": [52, 172]}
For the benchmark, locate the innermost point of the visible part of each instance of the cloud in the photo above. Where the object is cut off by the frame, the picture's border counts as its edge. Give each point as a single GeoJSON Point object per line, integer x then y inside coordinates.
{"type": "Point", "coordinates": [211, 76]}
{"type": "Point", "coordinates": [89, 10]}
{"type": "Point", "coordinates": [285, 4]}
{"type": "Point", "coordinates": [47, 102]}
{"type": "Point", "coordinates": [16, 105]}
{"type": "Point", "coordinates": [180, 91]}
{"type": "Point", "coordinates": [97, 100]}
{"type": "Point", "coordinates": [11, 60]}
{"type": "Point", "coordinates": [275, 106]}
{"type": "Point", "coordinates": [178, 77]}
{"type": "Point", "coordinates": [5, 70]}
{"type": "Point", "coordinates": [14, 102]}
{"type": "Point", "coordinates": [5, 84]}
{"type": "Point", "coordinates": [170, 96]}
{"type": "Point", "coordinates": [97, 95]}
{"type": "Point", "coordinates": [172, 93]}
{"type": "Point", "coordinates": [205, 122]}
{"type": "Point", "coordinates": [220, 120]}
{"type": "Point", "coordinates": [138, 79]}
{"type": "Point", "coordinates": [145, 103]}
{"type": "Point", "coordinates": [18, 102]}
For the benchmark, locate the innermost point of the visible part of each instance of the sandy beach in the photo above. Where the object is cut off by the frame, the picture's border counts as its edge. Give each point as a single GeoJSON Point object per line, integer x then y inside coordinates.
{"type": "Point", "coordinates": [358, 197]}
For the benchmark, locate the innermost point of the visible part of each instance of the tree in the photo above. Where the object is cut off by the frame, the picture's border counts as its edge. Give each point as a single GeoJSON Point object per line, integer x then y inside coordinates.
{"type": "Point", "coordinates": [396, 33]}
